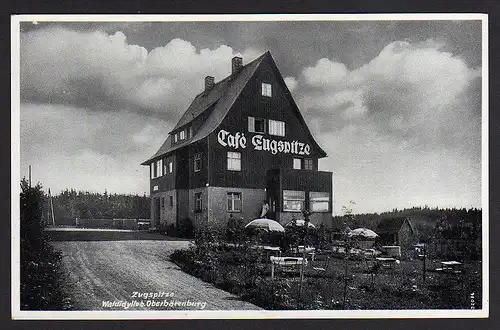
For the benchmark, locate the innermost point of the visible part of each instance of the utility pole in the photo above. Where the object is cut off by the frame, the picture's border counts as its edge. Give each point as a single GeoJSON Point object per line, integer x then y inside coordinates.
{"type": "Point", "coordinates": [423, 262]}
{"type": "Point", "coordinates": [52, 209]}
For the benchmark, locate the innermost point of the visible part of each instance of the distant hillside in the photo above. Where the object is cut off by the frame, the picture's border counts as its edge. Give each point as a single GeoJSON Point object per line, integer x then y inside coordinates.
{"type": "Point", "coordinates": [429, 223]}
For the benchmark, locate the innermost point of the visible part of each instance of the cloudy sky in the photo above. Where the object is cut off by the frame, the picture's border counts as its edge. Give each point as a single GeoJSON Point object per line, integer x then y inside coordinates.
{"type": "Point", "coordinates": [395, 104]}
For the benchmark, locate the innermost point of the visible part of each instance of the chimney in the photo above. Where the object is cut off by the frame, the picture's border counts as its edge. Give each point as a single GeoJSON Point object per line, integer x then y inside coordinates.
{"type": "Point", "coordinates": [237, 64]}
{"type": "Point", "coordinates": [209, 83]}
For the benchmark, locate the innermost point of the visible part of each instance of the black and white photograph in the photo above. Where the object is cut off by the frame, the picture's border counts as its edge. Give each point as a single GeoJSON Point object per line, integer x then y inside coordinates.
{"type": "Point", "coordinates": [249, 166]}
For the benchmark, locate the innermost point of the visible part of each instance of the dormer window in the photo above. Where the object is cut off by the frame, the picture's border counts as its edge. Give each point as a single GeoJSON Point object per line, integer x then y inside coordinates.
{"type": "Point", "coordinates": [266, 90]}
{"type": "Point", "coordinates": [182, 134]}
{"type": "Point", "coordinates": [176, 138]}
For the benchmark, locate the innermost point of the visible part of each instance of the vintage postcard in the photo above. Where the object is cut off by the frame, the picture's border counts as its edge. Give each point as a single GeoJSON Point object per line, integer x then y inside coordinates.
{"type": "Point", "coordinates": [250, 166]}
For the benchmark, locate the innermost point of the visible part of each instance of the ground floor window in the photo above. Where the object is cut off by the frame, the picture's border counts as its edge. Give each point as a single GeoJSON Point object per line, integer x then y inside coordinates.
{"type": "Point", "coordinates": [297, 163]}
{"type": "Point", "coordinates": [171, 201]}
{"type": "Point", "coordinates": [293, 200]}
{"type": "Point", "coordinates": [319, 201]}
{"type": "Point", "coordinates": [308, 164]}
{"type": "Point", "coordinates": [234, 202]}
{"type": "Point", "coordinates": [197, 202]}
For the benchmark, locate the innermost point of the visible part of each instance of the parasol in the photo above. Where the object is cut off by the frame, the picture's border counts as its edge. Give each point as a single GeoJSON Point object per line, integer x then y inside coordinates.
{"type": "Point", "coordinates": [362, 233]}
{"type": "Point", "coordinates": [264, 224]}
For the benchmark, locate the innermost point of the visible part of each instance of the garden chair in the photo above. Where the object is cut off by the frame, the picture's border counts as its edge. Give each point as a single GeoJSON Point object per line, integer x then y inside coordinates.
{"type": "Point", "coordinates": [325, 265]}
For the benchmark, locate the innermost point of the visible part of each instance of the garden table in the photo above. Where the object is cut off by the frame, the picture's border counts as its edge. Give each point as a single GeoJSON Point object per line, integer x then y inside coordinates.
{"type": "Point", "coordinates": [287, 262]}
{"type": "Point", "coordinates": [451, 266]}
{"type": "Point", "coordinates": [308, 250]}
{"type": "Point", "coordinates": [387, 262]}
{"type": "Point", "coordinates": [271, 250]}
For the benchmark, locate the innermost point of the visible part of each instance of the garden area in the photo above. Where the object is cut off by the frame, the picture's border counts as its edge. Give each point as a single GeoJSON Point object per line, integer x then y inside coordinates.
{"type": "Point", "coordinates": [242, 263]}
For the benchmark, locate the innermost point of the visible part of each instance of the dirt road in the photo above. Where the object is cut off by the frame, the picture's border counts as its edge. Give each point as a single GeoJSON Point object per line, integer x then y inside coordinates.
{"type": "Point", "coordinates": [111, 275]}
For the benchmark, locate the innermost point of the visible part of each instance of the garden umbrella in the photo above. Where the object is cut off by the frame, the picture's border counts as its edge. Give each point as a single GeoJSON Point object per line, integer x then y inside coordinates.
{"type": "Point", "coordinates": [362, 233]}
{"type": "Point", "coordinates": [299, 223]}
{"type": "Point", "coordinates": [265, 225]}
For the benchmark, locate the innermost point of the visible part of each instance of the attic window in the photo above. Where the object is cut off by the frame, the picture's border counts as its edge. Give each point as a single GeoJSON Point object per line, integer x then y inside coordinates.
{"type": "Point", "coordinates": [276, 127]}
{"type": "Point", "coordinates": [266, 89]}
{"type": "Point", "coordinates": [182, 134]}
{"type": "Point", "coordinates": [256, 125]}
{"type": "Point", "coordinates": [176, 138]}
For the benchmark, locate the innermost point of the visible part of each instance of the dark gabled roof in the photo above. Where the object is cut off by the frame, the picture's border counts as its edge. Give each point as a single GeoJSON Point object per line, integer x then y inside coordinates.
{"type": "Point", "coordinates": [392, 225]}
{"type": "Point", "coordinates": [222, 96]}
{"type": "Point", "coordinates": [218, 101]}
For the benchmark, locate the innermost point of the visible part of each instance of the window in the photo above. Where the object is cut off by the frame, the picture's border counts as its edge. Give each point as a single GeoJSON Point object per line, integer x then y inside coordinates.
{"type": "Point", "coordinates": [171, 200]}
{"type": "Point", "coordinates": [234, 202]}
{"type": "Point", "coordinates": [197, 162]}
{"type": "Point", "coordinates": [319, 201]}
{"type": "Point", "coordinates": [182, 134]}
{"type": "Point", "coordinates": [163, 202]}
{"type": "Point", "coordinates": [175, 138]}
{"type": "Point", "coordinates": [293, 200]}
{"type": "Point", "coordinates": [170, 167]}
{"type": "Point", "coordinates": [256, 125]}
{"type": "Point", "coordinates": [157, 167]}
{"type": "Point", "coordinates": [297, 163]}
{"type": "Point", "coordinates": [233, 161]}
{"type": "Point", "coordinates": [276, 127]}
{"type": "Point", "coordinates": [266, 89]}
{"type": "Point", "coordinates": [164, 166]}
{"type": "Point", "coordinates": [190, 132]}
{"type": "Point", "coordinates": [308, 164]}
{"type": "Point", "coordinates": [152, 165]}
{"type": "Point", "coordinates": [197, 202]}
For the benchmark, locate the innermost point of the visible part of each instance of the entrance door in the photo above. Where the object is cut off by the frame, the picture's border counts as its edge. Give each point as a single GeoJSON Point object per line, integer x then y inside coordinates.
{"type": "Point", "coordinates": [271, 214]}
{"type": "Point", "coordinates": [156, 219]}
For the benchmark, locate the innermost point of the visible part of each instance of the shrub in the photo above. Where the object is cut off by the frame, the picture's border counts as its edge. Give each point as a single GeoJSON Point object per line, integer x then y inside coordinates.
{"type": "Point", "coordinates": [185, 228]}
{"type": "Point", "coordinates": [40, 265]}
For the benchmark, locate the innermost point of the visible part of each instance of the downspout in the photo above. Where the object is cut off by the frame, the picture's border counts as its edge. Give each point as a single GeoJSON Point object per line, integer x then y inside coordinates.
{"type": "Point", "coordinates": [209, 210]}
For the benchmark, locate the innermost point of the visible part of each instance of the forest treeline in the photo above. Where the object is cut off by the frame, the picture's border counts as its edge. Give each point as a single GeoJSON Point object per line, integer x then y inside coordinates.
{"type": "Point", "coordinates": [71, 204]}
{"type": "Point", "coordinates": [430, 223]}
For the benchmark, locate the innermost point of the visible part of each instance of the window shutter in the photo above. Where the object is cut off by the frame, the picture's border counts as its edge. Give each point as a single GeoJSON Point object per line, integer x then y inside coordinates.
{"type": "Point", "coordinates": [251, 124]}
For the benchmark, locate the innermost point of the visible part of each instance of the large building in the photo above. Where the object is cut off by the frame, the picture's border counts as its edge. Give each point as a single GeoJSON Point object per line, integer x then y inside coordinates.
{"type": "Point", "coordinates": [241, 142]}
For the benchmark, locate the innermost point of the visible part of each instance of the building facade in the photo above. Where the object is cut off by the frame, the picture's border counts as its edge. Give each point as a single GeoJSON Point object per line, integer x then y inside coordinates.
{"type": "Point", "coordinates": [241, 143]}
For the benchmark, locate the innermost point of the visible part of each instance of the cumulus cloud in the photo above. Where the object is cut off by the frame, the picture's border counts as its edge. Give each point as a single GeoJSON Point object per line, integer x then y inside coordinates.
{"type": "Point", "coordinates": [414, 114]}
{"type": "Point", "coordinates": [103, 71]}
{"type": "Point", "coordinates": [407, 88]}
{"type": "Point", "coordinates": [291, 83]}
{"type": "Point", "coordinates": [86, 149]}
{"type": "Point", "coordinates": [325, 73]}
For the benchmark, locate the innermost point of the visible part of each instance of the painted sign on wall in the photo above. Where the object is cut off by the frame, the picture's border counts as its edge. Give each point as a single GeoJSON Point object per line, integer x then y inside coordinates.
{"type": "Point", "coordinates": [259, 142]}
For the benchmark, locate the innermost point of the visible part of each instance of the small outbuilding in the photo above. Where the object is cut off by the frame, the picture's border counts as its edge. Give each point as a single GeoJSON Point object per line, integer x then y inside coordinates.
{"type": "Point", "coordinates": [397, 231]}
